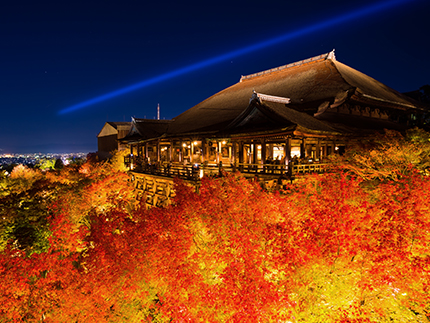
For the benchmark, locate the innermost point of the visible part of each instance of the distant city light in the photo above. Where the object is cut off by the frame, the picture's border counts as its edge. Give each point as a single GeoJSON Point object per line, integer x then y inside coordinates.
{"type": "Point", "coordinates": [316, 27]}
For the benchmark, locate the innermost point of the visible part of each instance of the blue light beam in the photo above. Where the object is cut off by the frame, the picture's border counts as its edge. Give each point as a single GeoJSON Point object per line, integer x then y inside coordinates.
{"type": "Point", "coordinates": [337, 20]}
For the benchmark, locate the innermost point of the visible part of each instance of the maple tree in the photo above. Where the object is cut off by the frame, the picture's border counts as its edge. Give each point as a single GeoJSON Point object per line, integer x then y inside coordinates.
{"type": "Point", "coordinates": [325, 249]}
{"type": "Point", "coordinates": [387, 156]}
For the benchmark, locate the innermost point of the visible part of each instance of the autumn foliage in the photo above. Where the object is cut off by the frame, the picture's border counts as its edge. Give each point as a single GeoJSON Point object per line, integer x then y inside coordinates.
{"type": "Point", "coordinates": [327, 248]}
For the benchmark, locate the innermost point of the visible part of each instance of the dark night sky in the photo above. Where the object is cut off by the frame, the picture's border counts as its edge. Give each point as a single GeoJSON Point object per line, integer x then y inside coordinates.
{"type": "Point", "coordinates": [57, 54]}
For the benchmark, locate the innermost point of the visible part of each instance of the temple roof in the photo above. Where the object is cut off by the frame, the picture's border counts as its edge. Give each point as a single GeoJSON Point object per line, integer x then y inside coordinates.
{"type": "Point", "coordinates": [144, 129]}
{"type": "Point", "coordinates": [272, 113]}
{"type": "Point", "coordinates": [308, 84]}
{"type": "Point", "coordinates": [115, 124]}
{"type": "Point", "coordinates": [111, 128]}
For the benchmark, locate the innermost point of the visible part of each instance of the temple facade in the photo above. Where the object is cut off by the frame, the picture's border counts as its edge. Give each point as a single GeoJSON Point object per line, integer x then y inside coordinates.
{"type": "Point", "coordinates": [275, 123]}
{"type": "Point", "coordinates": [108, 139]}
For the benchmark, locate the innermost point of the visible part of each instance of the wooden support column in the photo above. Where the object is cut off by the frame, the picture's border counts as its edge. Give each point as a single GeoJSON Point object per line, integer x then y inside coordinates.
{"type": "Point", "coordinates": [287, 156]}
{"type": "Point", "coordinates": [303, 148]}
{"type": "Point", "coordinates": [318, 149]}
{"type": "Point", "coordinates": [323, 149]}
{"type": "Point", "coordinates": [254, 153]}
{"type": "Point", "coordinates": [263, 152]}
{"type": "Point", "coordinates": [158, 151]}
{"type": "Point", "coordinates": [203, 152]}
{"type": "Point", "coordinates": [233, 155]}
{"type": "Point", "coordinates": [207, 151]}
{"type": "Point", "coordinates": [171, 151]}
{"type": "Point", "coordinates": [241, 156]}
{"type": "Point", "coordinates": [333, 146]}
{"type": "Point", "coordinates": [287, 150]}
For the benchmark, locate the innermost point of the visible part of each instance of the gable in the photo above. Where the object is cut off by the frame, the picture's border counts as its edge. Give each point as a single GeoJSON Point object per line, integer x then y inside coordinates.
{"type": "Point", "coordinates": [107, 130]}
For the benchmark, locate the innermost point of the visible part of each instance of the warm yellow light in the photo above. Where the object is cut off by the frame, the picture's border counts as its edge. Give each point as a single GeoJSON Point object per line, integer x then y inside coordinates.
{"type": "Point", "coordinates": [223, 142]}
{"type": "Point", "coordinates": [195, 143]}
{"type": "Point", "coordinates": [184, 145]}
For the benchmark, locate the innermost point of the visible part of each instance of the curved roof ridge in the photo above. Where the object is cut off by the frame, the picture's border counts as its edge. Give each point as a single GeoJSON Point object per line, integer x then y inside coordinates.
{"type": "Point", "coordinates": [321, 57]}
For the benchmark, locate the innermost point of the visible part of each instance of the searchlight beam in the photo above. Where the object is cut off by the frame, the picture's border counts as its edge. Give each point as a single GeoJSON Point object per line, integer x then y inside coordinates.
{"type": "Point", "coordinates": [334, 21]}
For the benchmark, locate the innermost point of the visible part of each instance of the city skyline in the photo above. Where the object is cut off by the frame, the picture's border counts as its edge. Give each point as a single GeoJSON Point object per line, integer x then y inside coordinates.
{"type": "Point", "coordinates": [57, 56]}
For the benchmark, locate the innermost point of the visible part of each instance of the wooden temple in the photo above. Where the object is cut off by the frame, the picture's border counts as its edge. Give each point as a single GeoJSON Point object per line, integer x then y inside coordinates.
{"type": "Point", "coordinates": [271, 124]}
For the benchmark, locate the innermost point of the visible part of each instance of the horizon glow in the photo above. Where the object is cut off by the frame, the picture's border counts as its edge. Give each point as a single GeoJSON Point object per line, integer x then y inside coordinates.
{"type": "Point", "coordinates": [351, 15]}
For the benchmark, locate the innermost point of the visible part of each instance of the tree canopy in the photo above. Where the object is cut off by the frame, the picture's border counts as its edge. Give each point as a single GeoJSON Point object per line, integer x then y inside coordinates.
{"type": "Point", "coordinates": [324, 249]}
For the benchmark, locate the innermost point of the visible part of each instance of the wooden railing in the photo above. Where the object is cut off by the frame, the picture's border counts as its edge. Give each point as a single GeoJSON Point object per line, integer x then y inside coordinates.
{"type": "Point", "coordinates": [196, 171]}
{"type": "Point", "coordinates": [309, 168]}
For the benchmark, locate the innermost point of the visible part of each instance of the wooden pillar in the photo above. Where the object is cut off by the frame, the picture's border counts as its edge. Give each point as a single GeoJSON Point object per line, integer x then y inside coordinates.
{"type": "Point", "coordinates": [158, 151]}
{"type": "Point", "coordinates": [233, 155]}
{"type": "Point", "coordinates": [263, 153]}
{"type": "Point", "coordinates": [203, 151]}
{"type": "Point", "coordinates": [318, 149]}
{"type": "Point", "coordinates": [206, 151]}
{"type": "Point", "coordinates": [303, 148]}
{"type": "Point", "coordinates": [323, 149]}
{"type": "Point", "coordinates": [254, 153]}
{"type": "Point", "coordinates": [241, 156]}
{"type": "Point", "coordinates": [332, 146]}
{"type": "Point", "coordinates": [287, 150]}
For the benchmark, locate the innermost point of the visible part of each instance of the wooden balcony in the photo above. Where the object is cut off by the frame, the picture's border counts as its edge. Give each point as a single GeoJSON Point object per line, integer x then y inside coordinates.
{"type": "Point", "coordinates": [193, 172]}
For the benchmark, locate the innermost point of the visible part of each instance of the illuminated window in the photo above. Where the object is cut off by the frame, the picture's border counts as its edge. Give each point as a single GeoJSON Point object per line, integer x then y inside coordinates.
{"type": "Point", "coordinates": [295, 152]}
{"type": "Point", "coordinates": [278, 152]}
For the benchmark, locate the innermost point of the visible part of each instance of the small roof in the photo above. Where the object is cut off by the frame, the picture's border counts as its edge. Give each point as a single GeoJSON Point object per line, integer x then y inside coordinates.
{"type": "Point", "coordinates": [116, 124]}
{"type": "Point", "coordinates": [272, 115]}
{"type": "Point", "coordinates": [111, 127]}
{"type": "Point", "coordinates": [145, 129]}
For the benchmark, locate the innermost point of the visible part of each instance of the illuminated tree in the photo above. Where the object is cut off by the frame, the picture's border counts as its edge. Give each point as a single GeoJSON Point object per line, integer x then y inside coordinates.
{"type": "Point", "coordinates": [387, 157]}
{"type": "Point", "coordinates": [48, 283]}
{"type": "Point", "coordinates": [46, 164]}
{"type": "Point", "coordinates": [325, 249]}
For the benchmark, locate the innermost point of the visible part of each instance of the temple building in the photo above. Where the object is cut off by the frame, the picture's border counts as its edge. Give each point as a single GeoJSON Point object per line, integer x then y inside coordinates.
{"type": "Point", "coordinates": [276, 122]}
{"type": "Point", "coordinates": [108, 139]}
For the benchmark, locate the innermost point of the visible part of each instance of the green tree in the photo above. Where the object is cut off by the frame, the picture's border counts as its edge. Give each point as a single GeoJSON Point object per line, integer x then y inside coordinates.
{"type": "Point", "coordinates": [46, 164]}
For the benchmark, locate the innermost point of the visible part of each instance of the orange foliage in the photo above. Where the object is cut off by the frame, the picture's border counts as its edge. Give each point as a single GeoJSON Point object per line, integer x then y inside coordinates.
{"type": "Point", "coordinates": [325, 249]}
